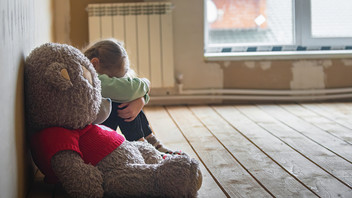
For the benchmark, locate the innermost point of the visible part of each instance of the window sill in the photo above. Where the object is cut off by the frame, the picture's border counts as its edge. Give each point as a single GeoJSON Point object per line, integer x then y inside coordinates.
{"type": "Point", "coordinates": [282, 55]}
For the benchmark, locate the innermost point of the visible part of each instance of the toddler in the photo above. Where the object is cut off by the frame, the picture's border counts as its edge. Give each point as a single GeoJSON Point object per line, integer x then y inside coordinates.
{"type": "Point", "coordinates": [128, 93]}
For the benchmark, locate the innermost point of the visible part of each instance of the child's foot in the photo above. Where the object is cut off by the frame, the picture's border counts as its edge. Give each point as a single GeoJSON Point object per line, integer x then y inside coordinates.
{"type": "Point", "coordinates": [175, 153]}
{"type": "Point", "coordinates": [165, 155]}
{"type": "Point", "coordinates": [160, 147]}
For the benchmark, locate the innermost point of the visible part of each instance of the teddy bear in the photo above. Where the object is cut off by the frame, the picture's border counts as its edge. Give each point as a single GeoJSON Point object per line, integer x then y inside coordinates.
{"type": "Point", "coordinates": [64, 107]}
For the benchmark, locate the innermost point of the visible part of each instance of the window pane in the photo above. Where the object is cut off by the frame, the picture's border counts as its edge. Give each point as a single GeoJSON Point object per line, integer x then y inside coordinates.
{"type": "Point", "coordinates": [250, 22]}
{"type": "Point", "coordinates": [331, 18]}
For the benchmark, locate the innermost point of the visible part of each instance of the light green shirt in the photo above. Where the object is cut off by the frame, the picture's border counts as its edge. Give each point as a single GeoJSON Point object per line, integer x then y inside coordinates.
{"type": "Point", "coordinates": [124, 89]}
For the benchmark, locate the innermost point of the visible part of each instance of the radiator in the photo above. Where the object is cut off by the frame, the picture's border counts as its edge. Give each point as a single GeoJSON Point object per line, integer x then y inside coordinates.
{"type": "Point", "coordinates": [146, 30]}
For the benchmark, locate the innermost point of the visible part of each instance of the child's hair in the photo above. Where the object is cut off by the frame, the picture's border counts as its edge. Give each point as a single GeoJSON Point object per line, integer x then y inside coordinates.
{"type": "Point", "coordinates": [112, 56]}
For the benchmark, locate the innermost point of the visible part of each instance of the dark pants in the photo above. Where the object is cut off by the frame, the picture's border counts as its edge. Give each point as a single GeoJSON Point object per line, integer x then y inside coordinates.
{"type": "Point", "coordinates": [133, 130]}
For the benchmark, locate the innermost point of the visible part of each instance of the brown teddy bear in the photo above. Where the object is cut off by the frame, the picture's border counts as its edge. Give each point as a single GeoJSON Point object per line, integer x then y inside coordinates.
{"type": "Point", "coordinates": [63, 103]}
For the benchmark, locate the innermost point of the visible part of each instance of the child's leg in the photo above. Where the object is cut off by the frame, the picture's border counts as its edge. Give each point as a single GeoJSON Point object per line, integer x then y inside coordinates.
{"type": "Point", "coordinates": [133, 130]}
{"type": "Point", "coordinates": [149, 136]}
{"type": "Point", "coordinates": [113, 119]}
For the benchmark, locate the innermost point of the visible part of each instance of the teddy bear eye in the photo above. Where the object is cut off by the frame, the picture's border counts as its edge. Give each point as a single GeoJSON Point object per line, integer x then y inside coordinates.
{"type": "Point", "coordinates": [87, 75]}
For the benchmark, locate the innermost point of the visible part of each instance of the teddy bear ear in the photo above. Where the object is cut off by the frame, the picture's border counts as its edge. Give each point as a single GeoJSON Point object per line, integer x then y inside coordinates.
{"type": "Point", "coordinates": [58, 76]}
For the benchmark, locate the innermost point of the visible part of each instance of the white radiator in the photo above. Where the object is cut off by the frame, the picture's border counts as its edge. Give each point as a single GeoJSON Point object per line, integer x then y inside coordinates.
{"type": "Point", "coordinates": [146, 30]}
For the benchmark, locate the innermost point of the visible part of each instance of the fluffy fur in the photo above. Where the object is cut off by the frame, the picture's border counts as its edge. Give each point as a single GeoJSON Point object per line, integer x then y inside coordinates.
{"type": "Point", "coordinates": [53, 100]}
{"type": "Point", "coordinates": [61, 93]}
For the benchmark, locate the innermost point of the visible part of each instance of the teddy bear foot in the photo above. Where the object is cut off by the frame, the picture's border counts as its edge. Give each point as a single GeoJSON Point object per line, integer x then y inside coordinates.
{"type": "Point", "coordinates": [179, 176]}
{"type": "Point", "coordinates": [199, 179]}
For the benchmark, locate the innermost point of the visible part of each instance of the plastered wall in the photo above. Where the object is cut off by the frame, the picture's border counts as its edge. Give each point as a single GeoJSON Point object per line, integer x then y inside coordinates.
{"type": "Point", "coordinates": [272, 74]}
{"type": "Point", "coordinates": [24, 25]}
{"type": "Point", "coordinates": [199, 74]}
{"type": "Point", "coordinates": [290, 74]}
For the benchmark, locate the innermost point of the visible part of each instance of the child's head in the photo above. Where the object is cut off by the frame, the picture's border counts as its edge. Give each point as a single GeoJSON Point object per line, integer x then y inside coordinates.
{"type": "Point", "coordinates": [108, 57]}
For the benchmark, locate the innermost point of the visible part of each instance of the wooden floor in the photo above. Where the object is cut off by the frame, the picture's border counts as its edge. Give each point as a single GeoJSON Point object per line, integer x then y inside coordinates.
{"type": "Point", "coordinates": [263, 150]}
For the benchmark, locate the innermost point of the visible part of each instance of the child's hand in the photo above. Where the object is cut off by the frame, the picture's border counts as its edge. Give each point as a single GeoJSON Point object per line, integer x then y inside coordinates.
{"type": "Point", "coordinates": [131, 109]}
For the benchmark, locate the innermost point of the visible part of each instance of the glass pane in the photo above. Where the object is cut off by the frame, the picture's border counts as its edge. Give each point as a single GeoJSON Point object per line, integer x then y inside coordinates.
{"type": "Point", "coordinates": [331, 18]}
{"type": "Point", "coordinates": [249, 22]}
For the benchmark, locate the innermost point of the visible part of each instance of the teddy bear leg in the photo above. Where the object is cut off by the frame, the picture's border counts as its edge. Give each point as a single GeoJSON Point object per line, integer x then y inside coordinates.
{"type": "Point", "coordinates": [131, 180]}
{"type": "Point", "coordinates": [125, 173]}
{"type": "Point", "coordinates": [152, 180]}
{"type": "Point", "coordinates": [177, 176]}
{"type": "Point", "coordinates": [149, 153]}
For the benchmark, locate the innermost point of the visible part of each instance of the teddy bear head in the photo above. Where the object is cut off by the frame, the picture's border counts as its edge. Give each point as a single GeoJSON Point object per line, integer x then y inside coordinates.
{"type": "Point", "coordinates": [61, 88]}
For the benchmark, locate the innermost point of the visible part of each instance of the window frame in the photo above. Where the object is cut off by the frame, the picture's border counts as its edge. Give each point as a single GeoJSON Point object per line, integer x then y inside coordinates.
{"type": "Point", "coordinates": [302, 36]}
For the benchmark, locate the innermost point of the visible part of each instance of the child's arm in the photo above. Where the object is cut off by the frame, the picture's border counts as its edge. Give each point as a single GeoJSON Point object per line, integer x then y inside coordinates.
{"type": "Point", "coordinates": [131, 109]}
{"type": "Point", "coordinates": [124, 89]}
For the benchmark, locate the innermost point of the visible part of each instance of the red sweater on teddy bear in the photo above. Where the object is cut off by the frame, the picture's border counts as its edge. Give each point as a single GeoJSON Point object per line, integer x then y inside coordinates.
{"type": "Point", "coordinates": [93, 143]}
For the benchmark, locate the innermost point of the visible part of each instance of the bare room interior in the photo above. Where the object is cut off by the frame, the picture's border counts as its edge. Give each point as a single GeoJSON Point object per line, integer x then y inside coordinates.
{"type": "Point", "coordinates": [260, 98]}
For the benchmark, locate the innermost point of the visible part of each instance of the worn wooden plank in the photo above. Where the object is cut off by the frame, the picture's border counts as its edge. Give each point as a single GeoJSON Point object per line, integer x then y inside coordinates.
{"type": "Point", "coordinates": [168, 133]}
{"type": "Point", "coordinates": [341, 113]}
{"type": "Point", "coordinates": [235, 180]}
{"type": "Point", "coordinates": [298, 166]}
{"type": "Point", "coordinates": [338, 108]}
{"type": "Point", "coordinates": [312, 132]}
{"type": "Point", "coordinates": [263, 168]}
{"type": "Point", "coordinates": [324, 158]}
{"type": "Point", "coordinates": [322, 121]}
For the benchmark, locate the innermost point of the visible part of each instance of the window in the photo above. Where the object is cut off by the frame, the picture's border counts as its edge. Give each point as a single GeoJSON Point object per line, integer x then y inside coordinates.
{"type": "Point", "coordinates": [273, 28]}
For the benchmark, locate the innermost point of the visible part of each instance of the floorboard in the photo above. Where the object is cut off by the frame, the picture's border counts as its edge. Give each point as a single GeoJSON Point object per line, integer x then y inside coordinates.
{"type": "Point", "coordinates": [321, 137]}
{"type": "Point", "coordinates": [333, 116]}
{"type": "Point", "coordinates": [271, 176]}
{"type": "Point", "coordinates": [229, 173]}
{"type": "Point", "coordinates": [300, 168]}
{"type": "Point", "coordinates": [168, 132]}
{"type": "Point", "coordinates": [322, 157]}
{"type": "Point", "coordinates": [323, 121]}
{"type": "Point", "coordinates": [257, 150]}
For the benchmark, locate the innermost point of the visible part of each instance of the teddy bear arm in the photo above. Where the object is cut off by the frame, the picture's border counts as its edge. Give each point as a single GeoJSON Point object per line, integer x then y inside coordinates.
{"type": "Point", "coordinates": [78, 178]}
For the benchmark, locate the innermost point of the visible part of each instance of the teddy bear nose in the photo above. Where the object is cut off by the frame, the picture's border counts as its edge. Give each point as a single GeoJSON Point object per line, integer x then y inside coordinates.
{"type": "Point", "coordinates": [87, 75]}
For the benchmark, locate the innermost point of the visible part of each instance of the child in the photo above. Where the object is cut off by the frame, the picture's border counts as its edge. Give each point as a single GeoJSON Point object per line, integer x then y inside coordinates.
{"type": "Point", "coordinates": [128, 93]}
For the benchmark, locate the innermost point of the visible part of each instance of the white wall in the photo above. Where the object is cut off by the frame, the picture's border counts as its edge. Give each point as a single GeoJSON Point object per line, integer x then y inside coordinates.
{"type": "Point", "coordinates": [24, 25]}
{"type": "Point", "coordinates": [188, 47]}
